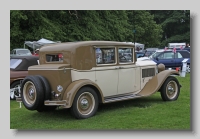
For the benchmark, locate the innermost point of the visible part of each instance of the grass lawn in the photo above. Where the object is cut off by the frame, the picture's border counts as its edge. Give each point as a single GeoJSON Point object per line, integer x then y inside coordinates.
{"type": "Point", "coordinates": [150, 113]}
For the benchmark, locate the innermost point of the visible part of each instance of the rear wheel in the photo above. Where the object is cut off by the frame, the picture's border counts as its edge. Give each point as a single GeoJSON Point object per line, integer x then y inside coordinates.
{"type": "Point", "coordinates": [170, 89]}
{"type": "Point", "coordinates": [85, 103]}
{"type": "Point", "coordinates": [32, 92]}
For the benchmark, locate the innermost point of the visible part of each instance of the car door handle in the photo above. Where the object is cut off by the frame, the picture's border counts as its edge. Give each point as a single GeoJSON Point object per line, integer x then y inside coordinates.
{"type": "Point", "coordinates": [121, 67]}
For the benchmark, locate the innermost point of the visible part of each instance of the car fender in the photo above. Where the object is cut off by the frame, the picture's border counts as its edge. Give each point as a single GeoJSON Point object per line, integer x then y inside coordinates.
{"type": "Point", "coordinates": [12, 81]}
{"type": "Point", "coordinates": [154, 84]}
{"type": "Point", "coordinates": [74, 87]}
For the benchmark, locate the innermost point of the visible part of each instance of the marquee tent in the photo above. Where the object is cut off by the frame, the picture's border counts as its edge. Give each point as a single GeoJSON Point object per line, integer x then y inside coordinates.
{"type": "Point", "coordinates": [37, 44]}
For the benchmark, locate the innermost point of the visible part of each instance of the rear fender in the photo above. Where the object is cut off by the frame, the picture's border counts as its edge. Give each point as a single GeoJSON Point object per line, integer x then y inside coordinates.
{"type": "Point", "coordinates": [75, 86]}
{"type": "Point", "coordinates": [154, 84]}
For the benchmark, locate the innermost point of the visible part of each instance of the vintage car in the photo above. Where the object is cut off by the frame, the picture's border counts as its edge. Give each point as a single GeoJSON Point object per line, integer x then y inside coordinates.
{"type": "Point", "coordinates": [82, 75]}
{"type": "Point", "coordinates": [18, 71]}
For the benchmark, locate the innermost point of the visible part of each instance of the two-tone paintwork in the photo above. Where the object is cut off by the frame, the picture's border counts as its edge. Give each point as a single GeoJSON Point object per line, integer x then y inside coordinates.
{"type": "Point", "coordinates": [112, 82]}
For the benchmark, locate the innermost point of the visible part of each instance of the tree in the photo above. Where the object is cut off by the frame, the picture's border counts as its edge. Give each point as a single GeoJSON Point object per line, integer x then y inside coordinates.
{"type": "Point", "coordinates": [146, 29]}
{"type": "Point", "coordinates": [175, 25]}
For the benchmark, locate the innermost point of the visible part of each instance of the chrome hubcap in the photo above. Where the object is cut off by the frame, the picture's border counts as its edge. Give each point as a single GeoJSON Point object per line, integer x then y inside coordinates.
{"type": "Point", "coordinates": [172, 89]}
{"type": "Point", "coordinates": [31, 93]}
{"type": "Point", "coordinates": [84, 104]}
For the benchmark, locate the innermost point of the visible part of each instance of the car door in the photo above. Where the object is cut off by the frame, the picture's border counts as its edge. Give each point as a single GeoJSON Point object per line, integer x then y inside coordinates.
{"type": "Point", "coordinates": [127, 78]}
{"type": "Point", "coordinates": [106, 71]}
{"type": "Point", "coordinates": [167, 58]}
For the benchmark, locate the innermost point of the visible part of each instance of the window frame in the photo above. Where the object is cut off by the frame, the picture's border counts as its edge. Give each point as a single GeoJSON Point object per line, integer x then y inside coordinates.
{"type": "Point", "coordinates": [133, 57]}
{"type": "Point", "coordinates": [106, 47]}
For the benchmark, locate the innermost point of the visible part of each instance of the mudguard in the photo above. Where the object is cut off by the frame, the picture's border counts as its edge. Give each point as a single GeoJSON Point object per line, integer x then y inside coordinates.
{"type": "Point", "coordinates": [73, 88]}
{"type": "Point", "coordinates": [154, 84]}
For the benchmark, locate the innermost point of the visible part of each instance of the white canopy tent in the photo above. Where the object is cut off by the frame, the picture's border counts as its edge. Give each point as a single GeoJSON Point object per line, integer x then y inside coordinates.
{"type": "Point", "coordinates": [37, 44]}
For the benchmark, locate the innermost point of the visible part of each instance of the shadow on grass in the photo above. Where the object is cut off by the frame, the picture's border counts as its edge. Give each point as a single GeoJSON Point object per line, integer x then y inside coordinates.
{"type": "Point", "coordinates": [63, 114]}
{"type": "Point", "coordinates": [138, 103]}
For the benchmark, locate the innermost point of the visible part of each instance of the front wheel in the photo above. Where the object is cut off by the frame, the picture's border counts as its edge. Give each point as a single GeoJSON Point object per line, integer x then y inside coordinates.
{"type": "Point", "coordinates": [85, 103]}
{"type": "Point", "coordinates": [170, 89]}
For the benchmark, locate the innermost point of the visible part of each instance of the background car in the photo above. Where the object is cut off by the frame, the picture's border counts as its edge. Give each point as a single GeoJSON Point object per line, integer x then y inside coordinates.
{"type": "Point", "coordinates": [18, 71]}
{"type": "Point", "coordinates": [186, 48]}
{"type": "Point", "coordinates": [171, 59]}
{"type": "Point", "coordinates": [140, 54]}
{"type": "Point", "coordinates": [20, 52]}
{"type": "Point", "coordinates": [150, 51]}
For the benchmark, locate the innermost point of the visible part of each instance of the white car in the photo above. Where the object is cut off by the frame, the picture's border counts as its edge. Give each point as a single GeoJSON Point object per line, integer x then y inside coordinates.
{"type": "Point", "coordinates": [20, 52]}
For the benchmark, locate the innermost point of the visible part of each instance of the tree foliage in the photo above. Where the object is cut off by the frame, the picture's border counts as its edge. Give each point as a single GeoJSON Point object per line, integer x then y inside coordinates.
{"type": "Point", "coordinates": [111, 25]}
{"type": "Point", "coordinates": [175, 25]}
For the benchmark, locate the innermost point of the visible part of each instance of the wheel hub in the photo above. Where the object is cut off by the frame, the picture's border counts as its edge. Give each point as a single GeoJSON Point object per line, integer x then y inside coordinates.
{"type": "Point", "coordinates": [170, 90]}
{"type": "Point", "coordinates": [84, 103]}
{"type": "Point", "coordinates": [31, 93]}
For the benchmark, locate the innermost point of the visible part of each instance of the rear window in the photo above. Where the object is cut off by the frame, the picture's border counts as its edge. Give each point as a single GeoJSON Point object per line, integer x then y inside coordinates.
{"type": "Point", "coordinates": [185, 54]}
{"type": "Point", "coordinates": [15, 63]}
{"type": "Point", "coordinates": [54, 57]}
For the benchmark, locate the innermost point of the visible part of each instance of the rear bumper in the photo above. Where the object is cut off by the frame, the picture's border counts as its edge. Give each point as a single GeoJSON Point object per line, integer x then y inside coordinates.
{"type": "Point", "coordinates": [55, 103]}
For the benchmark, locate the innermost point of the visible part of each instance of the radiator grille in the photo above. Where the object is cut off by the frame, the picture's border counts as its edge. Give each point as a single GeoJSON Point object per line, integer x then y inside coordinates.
{"type": "Point", "coordinates": [148, 72]}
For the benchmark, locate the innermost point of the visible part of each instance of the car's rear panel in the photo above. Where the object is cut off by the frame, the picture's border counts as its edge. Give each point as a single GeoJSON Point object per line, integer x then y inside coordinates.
{"type": "Point", "coordinates": [58, 75]}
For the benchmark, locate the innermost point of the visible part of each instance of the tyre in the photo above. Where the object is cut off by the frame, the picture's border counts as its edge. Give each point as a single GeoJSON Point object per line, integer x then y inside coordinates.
{"type": "Point", "coordinates": [85, 103]}
{"type": "Point", "coordinates": [46, 87]}
{"type": "Point", "coordinates": [32, 92]}
{"type": "Point", "coordinates": [170, 89]}
{"type": "Point", "coordinates": [15, 93]}
{"type": "Point", "coordinates": [47, 95]}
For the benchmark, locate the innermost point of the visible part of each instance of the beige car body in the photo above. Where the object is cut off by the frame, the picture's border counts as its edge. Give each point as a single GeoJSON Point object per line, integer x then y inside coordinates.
{"type": "Point", "coordinates": [112, 82]}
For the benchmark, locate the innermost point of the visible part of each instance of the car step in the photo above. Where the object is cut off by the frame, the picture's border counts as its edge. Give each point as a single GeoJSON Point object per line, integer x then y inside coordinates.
{"type": "Point", "coordinates": [120, 98]}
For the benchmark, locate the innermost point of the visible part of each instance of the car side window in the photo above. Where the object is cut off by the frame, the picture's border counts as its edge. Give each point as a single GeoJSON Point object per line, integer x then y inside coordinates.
{"type": "Point", "coordinates": [185, 54]}
{"type": "Point", "coordinates": [167, 55]}
{"type": "Point", "coordinates": [178, 55]}
{"type": "Point", "coordinates": [105, 55]}
{"type": "Point", "coordinates": [125, 55]}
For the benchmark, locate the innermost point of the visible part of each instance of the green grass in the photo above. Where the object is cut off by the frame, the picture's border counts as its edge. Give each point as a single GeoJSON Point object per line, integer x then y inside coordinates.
{"type": "Point", "coordinates": [150, 113]}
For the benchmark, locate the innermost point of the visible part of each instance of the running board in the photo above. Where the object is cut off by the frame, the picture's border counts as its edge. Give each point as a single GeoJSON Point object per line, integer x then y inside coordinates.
{"type": "Point", "coordinates": [120, 98]}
